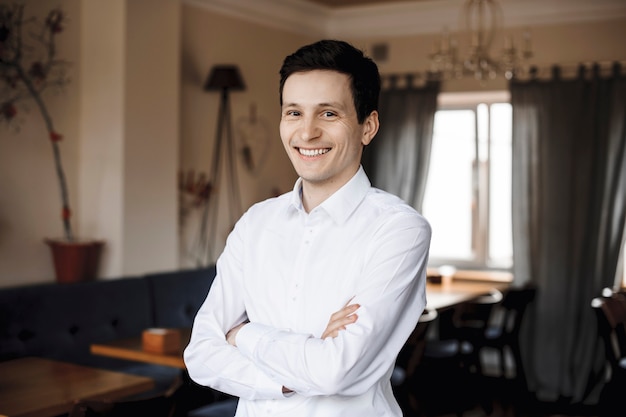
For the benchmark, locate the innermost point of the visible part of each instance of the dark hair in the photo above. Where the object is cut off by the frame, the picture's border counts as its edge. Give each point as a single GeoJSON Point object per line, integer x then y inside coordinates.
{"type": "Point", "coordinates": [342, 57]}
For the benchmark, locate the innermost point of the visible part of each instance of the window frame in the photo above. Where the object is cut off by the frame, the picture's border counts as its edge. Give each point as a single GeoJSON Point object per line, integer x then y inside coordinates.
{"type": "Point", "coordinates": [481, 180]}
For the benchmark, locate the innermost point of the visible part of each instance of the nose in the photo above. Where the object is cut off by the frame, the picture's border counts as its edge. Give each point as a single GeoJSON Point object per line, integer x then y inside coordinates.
{"type": "Point", "coordinates": [309, 129]}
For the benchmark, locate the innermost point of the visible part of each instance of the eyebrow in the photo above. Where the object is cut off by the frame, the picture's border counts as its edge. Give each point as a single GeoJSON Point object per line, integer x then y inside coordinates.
{"type": "Point", "coordinates": [334, 104]}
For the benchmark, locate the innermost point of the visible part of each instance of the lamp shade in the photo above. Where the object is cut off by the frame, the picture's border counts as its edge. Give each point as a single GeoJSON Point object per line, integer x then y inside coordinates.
{"type": "Point", "coordinates": [224, 77]}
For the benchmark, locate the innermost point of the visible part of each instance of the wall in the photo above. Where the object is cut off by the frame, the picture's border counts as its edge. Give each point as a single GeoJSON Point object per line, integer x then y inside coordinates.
{"type": "Point", "coordinates": [120, 121]}
{"type": "Point", "coordinates": [30, 203]}
{"type": "Point", "coordinates": [135, 113]}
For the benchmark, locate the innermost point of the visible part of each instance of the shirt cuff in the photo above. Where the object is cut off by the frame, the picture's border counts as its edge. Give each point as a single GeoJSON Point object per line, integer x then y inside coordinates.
{"type": "Point", "coordinates": [249, 336]}
{"type": "Point", "coordinates": [247, 339]}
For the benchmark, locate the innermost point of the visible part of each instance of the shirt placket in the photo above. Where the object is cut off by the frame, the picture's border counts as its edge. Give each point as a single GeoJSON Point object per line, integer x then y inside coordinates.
{"type": "Point", "coordinates": [302, 265]}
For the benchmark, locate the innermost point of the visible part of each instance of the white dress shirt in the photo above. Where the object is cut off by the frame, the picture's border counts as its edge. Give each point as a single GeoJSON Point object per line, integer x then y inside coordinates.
{"type": "Point", "coordinates": [287, 271]}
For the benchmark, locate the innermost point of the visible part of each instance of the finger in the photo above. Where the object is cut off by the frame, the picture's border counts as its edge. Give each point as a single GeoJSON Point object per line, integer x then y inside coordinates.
{"type": "Point", "coordinates": [345, 311]}
{"type": "Point", "coordinates": [344, 321]}
{"type": "Point", "coordinates": [335, 326]}
{"type": "Point", "coordinates": [348, 302]}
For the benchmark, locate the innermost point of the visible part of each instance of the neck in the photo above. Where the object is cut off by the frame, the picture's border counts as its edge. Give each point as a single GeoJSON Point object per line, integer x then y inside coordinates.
{"type": "Point", "coordinates": [315, 193]}
{"type": "Point", "coordinates": [313, 196]}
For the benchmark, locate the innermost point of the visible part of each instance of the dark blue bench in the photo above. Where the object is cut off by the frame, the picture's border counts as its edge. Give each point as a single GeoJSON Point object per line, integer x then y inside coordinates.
{"type": "Point", "coordinates": [61, 321]}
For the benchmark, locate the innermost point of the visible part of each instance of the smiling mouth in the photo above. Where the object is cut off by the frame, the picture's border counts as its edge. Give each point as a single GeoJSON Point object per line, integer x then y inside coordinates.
{"type": "Point", "coordinates": [313, 152]}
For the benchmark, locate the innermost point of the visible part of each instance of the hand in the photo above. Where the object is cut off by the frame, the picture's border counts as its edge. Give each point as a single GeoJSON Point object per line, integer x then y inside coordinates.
{"type": "Point", "coordinates": [339, 320]}
{"type": "Point", "coordinates": [232, 333]}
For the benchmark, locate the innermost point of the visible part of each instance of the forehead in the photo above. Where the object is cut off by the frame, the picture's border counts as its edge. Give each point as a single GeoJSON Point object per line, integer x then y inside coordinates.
{"type": "Point", "coordinates": [316, 86]}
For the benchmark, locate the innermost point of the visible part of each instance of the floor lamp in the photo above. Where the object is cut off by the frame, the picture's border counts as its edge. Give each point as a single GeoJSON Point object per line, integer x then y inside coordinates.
{"type": "Point", "coordinates": [222, 78]}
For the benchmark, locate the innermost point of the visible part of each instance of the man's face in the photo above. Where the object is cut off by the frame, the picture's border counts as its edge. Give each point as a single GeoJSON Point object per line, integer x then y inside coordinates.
{"type": "Point", "coordinates": [320, 130]}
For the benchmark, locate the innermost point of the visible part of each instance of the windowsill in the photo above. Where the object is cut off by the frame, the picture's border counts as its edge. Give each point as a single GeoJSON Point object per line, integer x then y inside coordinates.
{"type": "Point", "coordinates": [476, 275]}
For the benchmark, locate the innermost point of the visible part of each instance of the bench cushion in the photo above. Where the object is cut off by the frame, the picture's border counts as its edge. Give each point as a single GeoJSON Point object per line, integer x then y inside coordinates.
{"type": "Point", "coordinates": [61, 321]}
{"type": "Point", "coordinates": [177, 296]}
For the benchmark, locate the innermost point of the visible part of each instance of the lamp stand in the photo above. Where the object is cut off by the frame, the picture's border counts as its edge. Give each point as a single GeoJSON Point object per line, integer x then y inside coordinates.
{"type": "Point", "coordinates": [208, 230]}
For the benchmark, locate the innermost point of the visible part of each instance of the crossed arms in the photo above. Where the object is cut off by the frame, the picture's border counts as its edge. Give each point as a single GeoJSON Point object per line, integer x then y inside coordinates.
{"type": "Point", "coordinates": [338, 322]}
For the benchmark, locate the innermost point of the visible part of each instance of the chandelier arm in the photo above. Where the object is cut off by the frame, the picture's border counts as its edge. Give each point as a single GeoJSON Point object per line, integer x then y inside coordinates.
{"type": "Point", "coordinates": [483, 20]}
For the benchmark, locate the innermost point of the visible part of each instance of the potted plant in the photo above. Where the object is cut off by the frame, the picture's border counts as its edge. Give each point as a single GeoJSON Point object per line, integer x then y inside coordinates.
{"type": "Point", "coordinates": [28, 68]}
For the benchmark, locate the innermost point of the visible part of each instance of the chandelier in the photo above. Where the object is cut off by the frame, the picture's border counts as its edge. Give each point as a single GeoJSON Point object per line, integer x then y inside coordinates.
{"type": "Point", "coordinates": [483, 18]}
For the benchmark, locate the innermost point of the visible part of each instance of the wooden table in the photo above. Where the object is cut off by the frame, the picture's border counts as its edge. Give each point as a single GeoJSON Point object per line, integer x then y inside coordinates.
{"type": "Point", "coordinates": [132, 349]}
{"type": "Point", "coordinates": [37, 387]}
{"type": "Point", "coordinates": [442, 296]}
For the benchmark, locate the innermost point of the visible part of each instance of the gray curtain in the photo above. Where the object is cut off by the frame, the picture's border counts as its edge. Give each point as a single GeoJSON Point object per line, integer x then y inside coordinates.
{"type": "Point", "coordinates": [569, 210]}
{"type": "Point", "coordinates": [397, 159]}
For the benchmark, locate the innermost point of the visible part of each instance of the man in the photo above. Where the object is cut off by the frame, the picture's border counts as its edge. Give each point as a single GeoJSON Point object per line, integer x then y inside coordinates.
{"type": "Point", "coordinates": [318, 289]}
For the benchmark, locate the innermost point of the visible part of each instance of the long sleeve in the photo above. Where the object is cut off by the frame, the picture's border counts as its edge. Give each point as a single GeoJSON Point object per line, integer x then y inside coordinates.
{"type": "Point", "coordinates": [210, 360]}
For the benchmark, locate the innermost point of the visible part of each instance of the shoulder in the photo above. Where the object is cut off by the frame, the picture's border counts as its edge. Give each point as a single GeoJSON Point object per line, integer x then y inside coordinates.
{"type": "Point", "coordinates": [281, 201]}
{"type": "Point", "coordinates": [392, 214]}
{"type": "Point", "coordinates": [390, 204]}
{"type": "Point", "coordinates": [268, 209]}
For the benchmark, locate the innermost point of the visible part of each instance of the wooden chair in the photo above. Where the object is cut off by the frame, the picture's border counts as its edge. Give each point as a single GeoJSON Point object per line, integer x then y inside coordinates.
{"type": "Point", "coordinates": [408, 362]}
{"type": "Point", "coordinates": [502, 335]}
{"type": "Point", "coordinates": [451, 363]}
{"type": "Point", "coordinates": [471, 322]}
{"type": "Point", "coordinates": [411, 353]}
{"type": "Point", "coordinates": [610, 311]}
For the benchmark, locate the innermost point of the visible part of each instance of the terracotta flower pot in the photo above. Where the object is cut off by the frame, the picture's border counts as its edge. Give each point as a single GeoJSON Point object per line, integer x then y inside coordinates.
{"type": "Point", "coordinates": [75, 261]}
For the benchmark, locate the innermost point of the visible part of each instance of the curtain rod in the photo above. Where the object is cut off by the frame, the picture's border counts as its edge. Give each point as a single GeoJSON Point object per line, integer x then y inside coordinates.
{"type": "Point", "coordinates": [572, 70]}
{"type": "Point", "coordinates": [566, 69]}
{"type": "Point", "coordinates": [408, 79]}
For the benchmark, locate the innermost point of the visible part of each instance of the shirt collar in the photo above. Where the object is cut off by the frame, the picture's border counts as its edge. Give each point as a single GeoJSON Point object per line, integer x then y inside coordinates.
{"type": "Point", "coordinates": [343, 202]}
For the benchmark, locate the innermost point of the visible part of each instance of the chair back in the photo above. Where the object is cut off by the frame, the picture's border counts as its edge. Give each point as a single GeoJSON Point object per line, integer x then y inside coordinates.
{"type": "Point", "coordinates": [610, 312]}
{"type": "Point", "coordinates": [513, 308]}
{"type": "Point", "coordinates": [610, 309]}
{"type": "Point", "coordinates": [476, 314]}
{"type": "Point", "coordinates": [412, 352]}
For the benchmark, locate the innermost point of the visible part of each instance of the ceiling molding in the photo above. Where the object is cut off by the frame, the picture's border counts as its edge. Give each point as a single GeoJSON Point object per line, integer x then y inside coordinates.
{"type": "Point", "coordinates": [297, 16]}
{"type": "Point", "coordinates": [403, 18]}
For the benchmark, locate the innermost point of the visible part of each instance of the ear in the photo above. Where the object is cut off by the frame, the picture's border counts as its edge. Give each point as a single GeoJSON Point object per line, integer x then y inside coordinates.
{"type": "Point", "coordinates": [370, 128]}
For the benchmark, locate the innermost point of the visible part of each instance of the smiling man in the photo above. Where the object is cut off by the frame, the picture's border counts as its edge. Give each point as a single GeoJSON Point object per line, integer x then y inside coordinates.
{"type": "Point", "coordinates": [318, 289]}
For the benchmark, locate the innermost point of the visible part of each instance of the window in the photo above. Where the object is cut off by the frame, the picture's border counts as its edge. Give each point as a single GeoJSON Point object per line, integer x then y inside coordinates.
{"type": "Point", "coordinates": [468, 195]}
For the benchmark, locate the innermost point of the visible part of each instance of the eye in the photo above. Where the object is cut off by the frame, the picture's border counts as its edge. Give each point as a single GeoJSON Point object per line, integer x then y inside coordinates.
{"type": "Point", "coordinates": [329, 114]}
{"type": "Point", "coordinates": [292, 113]}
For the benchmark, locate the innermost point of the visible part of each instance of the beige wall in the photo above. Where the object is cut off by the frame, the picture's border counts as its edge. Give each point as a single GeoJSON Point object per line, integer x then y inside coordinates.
{"type": "Point", "coordinates": [135, 113]}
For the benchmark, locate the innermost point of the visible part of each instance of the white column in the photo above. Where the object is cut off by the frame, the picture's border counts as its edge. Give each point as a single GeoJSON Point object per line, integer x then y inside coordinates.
{"type": "Point", "coordinates": [130, 132]}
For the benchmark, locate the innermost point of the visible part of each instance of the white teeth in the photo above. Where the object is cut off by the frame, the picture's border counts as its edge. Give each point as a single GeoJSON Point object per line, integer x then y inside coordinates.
{"type": "Point", "coordinates": [313, 152]}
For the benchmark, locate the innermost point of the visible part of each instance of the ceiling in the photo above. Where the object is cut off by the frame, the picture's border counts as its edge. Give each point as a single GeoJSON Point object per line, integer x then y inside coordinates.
{"type": "Point", "coordinates": [366, 18]}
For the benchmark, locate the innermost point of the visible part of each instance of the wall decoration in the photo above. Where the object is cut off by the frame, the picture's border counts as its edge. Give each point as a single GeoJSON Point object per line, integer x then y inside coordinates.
{"type": "Point", "coordinates": [254, 136]}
